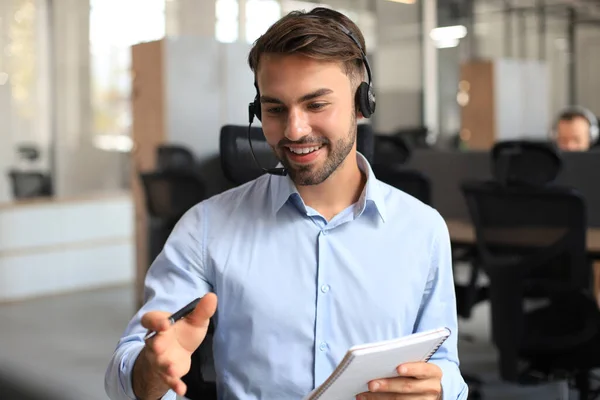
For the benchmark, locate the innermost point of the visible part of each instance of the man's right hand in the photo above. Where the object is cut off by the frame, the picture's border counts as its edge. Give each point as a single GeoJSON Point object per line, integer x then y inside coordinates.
{"type": "Point", "coordinates": [166, 358]}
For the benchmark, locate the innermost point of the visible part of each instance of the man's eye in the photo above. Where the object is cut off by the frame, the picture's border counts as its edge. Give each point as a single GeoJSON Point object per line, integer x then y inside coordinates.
{"type": "Point", "coordinates": [275, 110]}
{"type": "Point", "coordinates": [317, 106]}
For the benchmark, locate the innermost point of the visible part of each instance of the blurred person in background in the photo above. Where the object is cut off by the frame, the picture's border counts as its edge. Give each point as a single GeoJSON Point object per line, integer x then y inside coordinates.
{"type": "Point", "coordinates": [576, 129]}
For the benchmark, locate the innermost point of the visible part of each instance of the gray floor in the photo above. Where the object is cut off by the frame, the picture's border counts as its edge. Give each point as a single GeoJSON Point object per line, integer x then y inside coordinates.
{"type": "Point", "coordinates": [62, 344]}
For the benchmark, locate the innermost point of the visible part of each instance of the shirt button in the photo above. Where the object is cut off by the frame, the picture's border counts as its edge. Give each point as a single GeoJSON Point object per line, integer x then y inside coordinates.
{"type": "Point", "coordinates": [325, 288]}
{"type": "Point", "coordinates": [323, 346]}
{"type": "Point", "coordinates": [324, 232]}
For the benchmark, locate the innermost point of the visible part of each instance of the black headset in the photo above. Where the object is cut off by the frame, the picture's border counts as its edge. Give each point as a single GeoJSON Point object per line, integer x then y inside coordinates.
{"type": "Point", "coordinates": [364, 98]}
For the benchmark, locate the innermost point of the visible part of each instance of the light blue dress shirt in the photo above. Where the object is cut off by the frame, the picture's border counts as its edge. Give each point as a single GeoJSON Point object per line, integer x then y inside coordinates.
{"type": "Point", "coordinates": [295, 291]}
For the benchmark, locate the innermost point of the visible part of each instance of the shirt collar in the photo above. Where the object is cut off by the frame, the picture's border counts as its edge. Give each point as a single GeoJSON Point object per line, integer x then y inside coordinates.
{"type": "Point", "coordinates": [283, 190]}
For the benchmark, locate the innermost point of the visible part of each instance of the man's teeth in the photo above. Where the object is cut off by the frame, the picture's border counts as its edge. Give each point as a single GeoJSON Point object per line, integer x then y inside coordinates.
{"type": "Point", "coordinates": [304, 150]}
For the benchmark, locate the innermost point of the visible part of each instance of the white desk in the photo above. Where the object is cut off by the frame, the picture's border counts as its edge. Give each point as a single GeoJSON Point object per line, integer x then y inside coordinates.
{"type": "Point", "coordinates": [50, 246]}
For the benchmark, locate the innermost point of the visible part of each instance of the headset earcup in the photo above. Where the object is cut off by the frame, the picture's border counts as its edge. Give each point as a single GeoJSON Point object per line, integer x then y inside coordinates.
{"type": "Point", "coordinates": [256, 107]}
{"type": "Point", "coordinates": [362, 100]}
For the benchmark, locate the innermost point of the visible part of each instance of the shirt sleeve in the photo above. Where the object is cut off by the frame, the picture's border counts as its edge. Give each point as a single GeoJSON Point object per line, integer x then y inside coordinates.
{"type": "Point", "coordinates": [438, 309]}
{"type": "Point", "coordinates": [177, 276]}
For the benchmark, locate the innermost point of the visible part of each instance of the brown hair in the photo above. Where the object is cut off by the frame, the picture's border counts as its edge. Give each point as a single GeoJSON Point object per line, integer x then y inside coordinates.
{"type": "Point", "coordinates": [315, 34]}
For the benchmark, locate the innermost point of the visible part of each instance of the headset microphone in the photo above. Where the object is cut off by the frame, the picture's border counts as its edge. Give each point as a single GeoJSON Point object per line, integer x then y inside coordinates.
{"type": "Point", "coordinates": [272, 171]}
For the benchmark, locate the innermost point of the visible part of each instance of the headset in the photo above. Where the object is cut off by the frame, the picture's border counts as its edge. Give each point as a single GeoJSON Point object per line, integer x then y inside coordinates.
{"type": "Point", "coordinates": [364, 98]}
{"type": "Point", "coordinates": [584, 112]}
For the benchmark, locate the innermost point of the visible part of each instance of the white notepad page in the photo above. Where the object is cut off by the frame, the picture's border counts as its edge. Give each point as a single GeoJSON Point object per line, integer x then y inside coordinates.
{"type": "Point", "coordinates": [364, 363]}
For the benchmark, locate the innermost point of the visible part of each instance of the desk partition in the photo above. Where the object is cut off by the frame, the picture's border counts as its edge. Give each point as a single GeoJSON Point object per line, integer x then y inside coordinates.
{"type": "Point", "coordinates": [447, 169]}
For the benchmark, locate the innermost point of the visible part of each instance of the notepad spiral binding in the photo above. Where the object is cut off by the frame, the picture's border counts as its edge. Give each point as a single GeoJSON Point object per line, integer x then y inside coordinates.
{"type": "Point", "coordinates": [435, 348]}
{"type": "Point", "coordinates": [331, 379]}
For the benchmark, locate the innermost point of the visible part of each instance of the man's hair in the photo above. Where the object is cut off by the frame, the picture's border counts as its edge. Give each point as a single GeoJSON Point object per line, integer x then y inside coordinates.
{"type": "Point", "coordinates": [315, 34]}
{"type": "Point", "coordinates": [570, 115]}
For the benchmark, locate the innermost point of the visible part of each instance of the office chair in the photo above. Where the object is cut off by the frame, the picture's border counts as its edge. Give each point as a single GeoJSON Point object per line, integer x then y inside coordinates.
{"type": "Point", "coordinates": [168, 195]}
{"type": "Point", "coordinates": [409, 181]}
{"type": "Point", "coordinates": [523, 162]}
{"type": "Point", "coordinates": [174, 157]}
{"type": "Point", "coordinates": [390, 149]}
{"type": "Point", "coordinates": [30, 184]}
{"type": "Point", "coordinates": [365, 142]}
{"type": "Point", "coordinates": [531, 240]}
{"type": "Point", "coordinates": [239, 166]}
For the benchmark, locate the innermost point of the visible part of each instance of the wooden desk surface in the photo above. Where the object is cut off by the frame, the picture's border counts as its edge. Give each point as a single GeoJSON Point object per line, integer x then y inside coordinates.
{"type": "Point", "coordinates": [462, 232]}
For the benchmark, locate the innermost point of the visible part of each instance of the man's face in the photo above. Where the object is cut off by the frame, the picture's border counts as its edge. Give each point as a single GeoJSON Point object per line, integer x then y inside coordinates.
{"type": "Point", "coordinates": [573, 135]}
{"type": "Point", "coordinates": [308, 114]}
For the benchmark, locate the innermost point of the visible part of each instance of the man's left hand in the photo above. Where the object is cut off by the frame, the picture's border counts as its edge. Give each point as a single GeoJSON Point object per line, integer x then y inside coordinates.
{"type": "Point", "coordinates": [418, 380]}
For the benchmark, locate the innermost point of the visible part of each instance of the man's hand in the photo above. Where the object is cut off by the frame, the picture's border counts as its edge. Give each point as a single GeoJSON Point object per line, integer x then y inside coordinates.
{"type": "Point", "coordinates": [166, 357]}
{"type": "Point", "coordinates": [415, 381]}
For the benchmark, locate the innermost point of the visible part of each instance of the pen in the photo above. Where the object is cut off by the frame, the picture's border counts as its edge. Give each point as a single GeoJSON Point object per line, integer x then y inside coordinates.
{"type": "Point", "coordinates": [187, 309]}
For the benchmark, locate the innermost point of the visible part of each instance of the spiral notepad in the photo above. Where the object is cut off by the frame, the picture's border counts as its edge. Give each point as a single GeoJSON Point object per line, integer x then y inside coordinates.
{"type": "Point", "coordinates": [363, 363]}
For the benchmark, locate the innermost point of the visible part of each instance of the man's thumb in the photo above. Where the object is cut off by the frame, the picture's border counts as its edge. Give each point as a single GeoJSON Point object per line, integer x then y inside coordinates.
{"type": "Point", "coordinates": [205, 309]}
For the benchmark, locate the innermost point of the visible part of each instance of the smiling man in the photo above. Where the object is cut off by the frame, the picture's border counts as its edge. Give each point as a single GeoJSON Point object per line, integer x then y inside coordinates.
{"type": "Point", "coordinates": [305, 265]}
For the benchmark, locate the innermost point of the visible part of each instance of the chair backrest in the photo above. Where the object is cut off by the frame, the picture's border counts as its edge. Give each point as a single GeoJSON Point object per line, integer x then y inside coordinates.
{"type": "Point", "coordinates": [30, 184]}
{"type": "Point", "coordinates": [169, 194]}
{"type": "Point", "coordinates": [174, 157]}
{"type": "Point", "coordinates": [531, 240]}
{"type": "Point", "coordinates": [523, 162]}
{"type": "Point", "coordinates": [239, 166]}
{"type": "Point", "coordinates": [409, 181]}
{"type": "Point", "coordinates": [391, 149]}
{"type": "Point", "coordinates": [236, 160]}
{"type": "Point", "coordinates": [365, 141]}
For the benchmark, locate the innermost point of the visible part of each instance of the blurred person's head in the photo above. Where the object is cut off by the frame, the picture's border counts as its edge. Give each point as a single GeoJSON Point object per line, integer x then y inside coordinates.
{"type": "Point", "coordinates": [576, 129]}
{"type": "Point", "coordinates": [309, 75]}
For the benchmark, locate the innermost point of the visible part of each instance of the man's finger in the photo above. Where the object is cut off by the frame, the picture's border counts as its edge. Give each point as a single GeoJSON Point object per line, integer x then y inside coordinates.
{"type": "Point", "coordinates": [388, 396]}
{"type": "Point", "coordinates": [205, 309]}
{"type": "Point", "coordinates": [403, 385]}
{"type": "Point", "coordinates": [176, 384]}
{"type": "Point", "coordinates": [157, 321]}
{"type": "Point", "coordinates": [419, 370]}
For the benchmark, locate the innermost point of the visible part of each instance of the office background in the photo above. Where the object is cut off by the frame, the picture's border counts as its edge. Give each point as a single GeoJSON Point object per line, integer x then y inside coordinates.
{"type": "Point", "coordinates": [90, 89]}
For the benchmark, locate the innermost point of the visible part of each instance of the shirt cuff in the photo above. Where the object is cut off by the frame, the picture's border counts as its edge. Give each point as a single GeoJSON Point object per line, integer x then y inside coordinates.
{"type": "Point", "coordinates": [453, 384]}
{"type": "Point", "coordinates": [126, 370]}
{"type": "Point", "coordinates": [126, 375]}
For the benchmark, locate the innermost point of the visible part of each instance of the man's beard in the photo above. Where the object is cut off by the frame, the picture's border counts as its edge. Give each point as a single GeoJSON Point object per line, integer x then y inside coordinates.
{"type": "Point", "coordinates": [316, 174]}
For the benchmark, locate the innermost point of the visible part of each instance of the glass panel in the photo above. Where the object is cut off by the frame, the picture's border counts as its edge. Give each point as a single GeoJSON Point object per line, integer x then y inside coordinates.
{"type": "Point", "coordinates": [112, 34]}
{"type": "Point", "coordinates": [260, 15]}
{"type": "Point", "coordinates": [227, 25]}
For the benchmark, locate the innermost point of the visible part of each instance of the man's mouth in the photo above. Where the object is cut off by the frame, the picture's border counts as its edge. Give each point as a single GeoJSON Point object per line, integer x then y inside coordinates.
{"type": "Point", "coordinates": [304, 150]}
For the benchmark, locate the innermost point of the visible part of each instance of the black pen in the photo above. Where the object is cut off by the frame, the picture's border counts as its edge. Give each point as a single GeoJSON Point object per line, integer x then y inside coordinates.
{"type": "Point", "coordinates": [186, 310]}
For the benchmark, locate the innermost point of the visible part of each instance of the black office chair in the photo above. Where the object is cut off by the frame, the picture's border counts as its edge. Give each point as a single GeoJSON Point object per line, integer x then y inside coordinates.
{"type": "Point", "coordinates": [168, 195]}
{"type": "Point", "coordinates": [30, 184]}
{"type": "Point", "coordinates": [365, 142]}
{"type": "Point", "coordinates": [174, 157]}
{"type": "Point", "coordinates": [236, 160]}
{"type": "Point", "coordinates": [531, 239]}
{"type": "Point", "coordinates": [391, 149]}
{"type": "Point", "coordinates": [409, 181]}
{"type": "Point", "coordinates": [524, 162]}
{"type": "Point", "coordinates": [239, 166]}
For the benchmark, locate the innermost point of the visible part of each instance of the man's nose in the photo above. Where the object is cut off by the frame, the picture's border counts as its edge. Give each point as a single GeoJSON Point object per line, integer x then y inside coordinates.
{"type": "Point", "coordinates": [297, 125]}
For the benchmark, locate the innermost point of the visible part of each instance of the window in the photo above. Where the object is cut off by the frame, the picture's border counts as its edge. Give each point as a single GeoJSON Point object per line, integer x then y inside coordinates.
{"type": "Point", "coordinates": [260, 15]}
{"type": "Point", "coordinates": [227, 24]}
{"type": "Point", "coordinates": [115, 26]}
